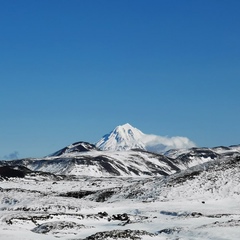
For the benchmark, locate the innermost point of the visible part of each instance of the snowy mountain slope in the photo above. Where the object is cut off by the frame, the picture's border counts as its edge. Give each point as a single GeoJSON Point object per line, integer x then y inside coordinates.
{"type": "Point", "coordinates": [196, 156]}
{"type": "Point", "coordinates": [185, 158]}
{"type": "Point", "coordinates": [220, 150]}
{"type": "Point", "coordinates": [98, 163]}
{"type": "Point", "coordinates": [126, 137]}
{"type": "Point", "coordinates": [228, 151]}
{"type": "Point", "coordinates": [218, 179]}
{"type": "Point", "coordinates": [123, 137]}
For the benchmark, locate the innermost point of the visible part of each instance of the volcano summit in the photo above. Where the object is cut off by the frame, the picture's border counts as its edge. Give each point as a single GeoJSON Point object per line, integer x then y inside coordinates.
{"type": "Point", "coordinates": [126, 137]}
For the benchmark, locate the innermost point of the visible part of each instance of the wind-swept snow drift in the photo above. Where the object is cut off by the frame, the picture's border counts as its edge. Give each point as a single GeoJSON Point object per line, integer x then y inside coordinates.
{"type": "Point", "coordinates": [126, 137]}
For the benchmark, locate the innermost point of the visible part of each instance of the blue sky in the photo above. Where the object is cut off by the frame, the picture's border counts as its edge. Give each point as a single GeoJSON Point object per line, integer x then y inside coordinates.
{"type": "Point", "coordinates": [73, 70]}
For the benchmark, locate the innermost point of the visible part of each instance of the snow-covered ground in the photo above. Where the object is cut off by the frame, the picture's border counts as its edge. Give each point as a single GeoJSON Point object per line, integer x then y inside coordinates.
{"type": "Point", "coordinates": [198, 203]}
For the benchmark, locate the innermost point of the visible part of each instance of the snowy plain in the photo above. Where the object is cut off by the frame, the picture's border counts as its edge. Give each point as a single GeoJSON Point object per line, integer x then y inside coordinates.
{"type": "Point", "coordinates": [199, 203]}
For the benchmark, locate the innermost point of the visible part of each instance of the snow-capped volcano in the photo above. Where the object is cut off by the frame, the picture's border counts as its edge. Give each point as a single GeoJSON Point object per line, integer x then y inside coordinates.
{"type": "Point", "coordinates": [125, 137]}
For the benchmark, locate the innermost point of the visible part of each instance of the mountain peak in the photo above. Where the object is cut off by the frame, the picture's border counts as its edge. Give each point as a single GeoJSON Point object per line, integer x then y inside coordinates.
{"type": "Point", "coordinates": [123, 137]}
{"type": "Point", "coordinates": [76, 147]}
{"type": "Point", "coordinates": [126, 125]}
{"type": "Point", "coordinates": [126, 137]}
{"type": "Point", "coordinates": [129, 131]}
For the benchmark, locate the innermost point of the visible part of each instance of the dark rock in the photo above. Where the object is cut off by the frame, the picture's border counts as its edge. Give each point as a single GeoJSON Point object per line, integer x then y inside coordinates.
{"type": "Point", "coordinates": [57, 225]}
{"type": "Point", "coordinates": [79, 194]}
{"type": "Point", "coordinates": [104, 196]}
{"type": "Point", "coordinates": [118, 234]}
{"type": "Point", "coordinates": [102, 214]}
{"type": "Point", "coordinates": [9, 171]}
{"type": "Point", "coordinates": [120, 217]}
{"type": "Point", "coordinates": [170, 230]}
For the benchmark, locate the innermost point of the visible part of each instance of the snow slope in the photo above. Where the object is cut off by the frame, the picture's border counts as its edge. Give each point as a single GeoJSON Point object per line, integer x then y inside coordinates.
{"type": "Point", "coordinates": [99, 163]}
{"type": "Point", "coordinates": [123, 137]}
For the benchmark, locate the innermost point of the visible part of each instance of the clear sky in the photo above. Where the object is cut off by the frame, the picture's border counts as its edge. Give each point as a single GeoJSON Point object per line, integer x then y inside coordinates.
{"type": "Point", "coordinates": [74, 70]}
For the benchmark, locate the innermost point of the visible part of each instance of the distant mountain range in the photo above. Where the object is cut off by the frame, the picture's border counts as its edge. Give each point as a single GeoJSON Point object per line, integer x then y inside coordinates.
{"type": "Point", "coordinates": [125, 151]}
{"type": "Point", "coordinates": [83, 158]}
